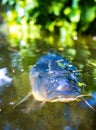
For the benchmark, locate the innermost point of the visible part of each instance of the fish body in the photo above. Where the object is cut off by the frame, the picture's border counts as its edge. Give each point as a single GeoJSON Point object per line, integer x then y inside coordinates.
{"type": "Point", "coordinates": [54, 78]}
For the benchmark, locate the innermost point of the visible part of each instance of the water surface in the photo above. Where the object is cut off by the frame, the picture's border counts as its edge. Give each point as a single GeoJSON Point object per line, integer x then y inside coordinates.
{"type": "Point", "coordinates": [58, 116]}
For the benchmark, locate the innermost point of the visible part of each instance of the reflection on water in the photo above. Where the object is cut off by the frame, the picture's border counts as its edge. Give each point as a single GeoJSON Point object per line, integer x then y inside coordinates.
{"type": "Point", "coordinates": [48, 118]}
{"type": "Point", "coordinates": [4, 79]}
{"type": "Point", "coordinates": [58, 116]}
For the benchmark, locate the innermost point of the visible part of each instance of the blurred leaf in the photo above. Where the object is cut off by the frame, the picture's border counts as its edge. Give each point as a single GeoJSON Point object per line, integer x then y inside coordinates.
{"type": "Point", "coordinates": [62, 34]}
{"type": "Point", "coordinates": [90, 14]}
{"type": "Point", "coordinates": [56, 8]}
{"type": "Point", "coordinates": [75, 4]}
{"type": "Point", "coordinates": [75, 15]}
{"type": "Point", "coordinates": [4, 1]}
{"type": "Point", "coordinates": [67, 11]}
{"type": "Point", "coordinates": [11, 2]}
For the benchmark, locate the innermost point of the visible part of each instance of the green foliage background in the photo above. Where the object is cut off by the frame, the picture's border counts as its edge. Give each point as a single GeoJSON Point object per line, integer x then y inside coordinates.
{"type": "Point", "coordinates": [36, 24]}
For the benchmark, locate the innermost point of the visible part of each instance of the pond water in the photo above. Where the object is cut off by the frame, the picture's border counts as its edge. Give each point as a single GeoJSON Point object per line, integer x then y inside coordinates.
{"type": "Point", "coordinates": [14, 85]}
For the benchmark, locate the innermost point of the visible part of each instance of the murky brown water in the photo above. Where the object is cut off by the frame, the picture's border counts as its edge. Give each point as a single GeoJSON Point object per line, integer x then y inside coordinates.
{"type": "Point", "coordinates": [53, 116]}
